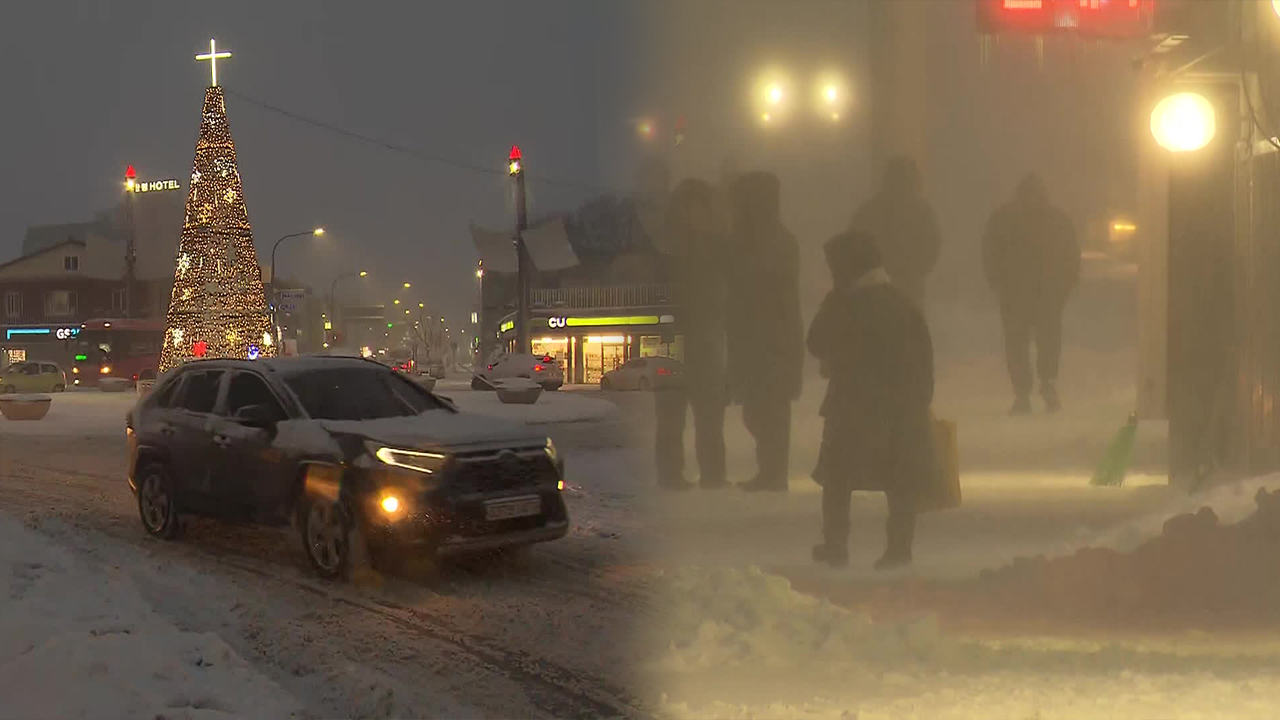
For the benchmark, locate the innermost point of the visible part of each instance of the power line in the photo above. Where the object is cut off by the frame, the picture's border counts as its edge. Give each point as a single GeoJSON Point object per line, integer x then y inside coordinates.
{"type": "Point", "coordinates": [395, 147]}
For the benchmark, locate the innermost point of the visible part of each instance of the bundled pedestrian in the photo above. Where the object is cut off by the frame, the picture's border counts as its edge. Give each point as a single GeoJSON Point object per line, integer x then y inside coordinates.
{"type": "Point", "coordinates": [695, 240]}
{"type": "Point", "coordinates": [765, 330]}
{"type": "Point", "coordinates": [904, 225]}
{"type": "Point", "coordinates": [874, 348]}
{"type": "Point", "coordinates": [1032, 263]}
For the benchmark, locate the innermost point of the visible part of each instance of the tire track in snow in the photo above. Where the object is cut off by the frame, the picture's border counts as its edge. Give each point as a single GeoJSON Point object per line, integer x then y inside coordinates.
{"type": "Point", "coordinates": [561, 691]}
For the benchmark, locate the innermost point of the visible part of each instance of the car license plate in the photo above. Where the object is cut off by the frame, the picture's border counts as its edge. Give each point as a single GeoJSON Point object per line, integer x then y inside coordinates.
{"type": "Point", "coordinates": [508, 509]}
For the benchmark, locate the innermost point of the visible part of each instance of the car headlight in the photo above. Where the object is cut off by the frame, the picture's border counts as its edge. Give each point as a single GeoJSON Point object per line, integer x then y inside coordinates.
{"type": "Point", "coordinates": [416, 460]}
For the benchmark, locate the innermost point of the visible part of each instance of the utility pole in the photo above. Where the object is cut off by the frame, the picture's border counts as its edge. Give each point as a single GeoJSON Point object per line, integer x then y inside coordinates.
{"type": "Point", "coordinates": [131, 239]}
{"type": "Point", "coordinates": [523, 270]}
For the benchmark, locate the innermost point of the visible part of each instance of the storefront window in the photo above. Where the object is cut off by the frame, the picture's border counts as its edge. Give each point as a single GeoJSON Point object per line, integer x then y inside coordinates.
{"type": "Point", "coordinates": [600, 354]}
{"type": "Point", "coordinates": [653, 345]}
{"type": "Point", "coordinates": [556, 347]}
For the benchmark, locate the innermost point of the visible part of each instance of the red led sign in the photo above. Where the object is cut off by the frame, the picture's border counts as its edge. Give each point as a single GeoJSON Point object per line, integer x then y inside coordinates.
{"type": "Point", "coordinates": [1099, 18]}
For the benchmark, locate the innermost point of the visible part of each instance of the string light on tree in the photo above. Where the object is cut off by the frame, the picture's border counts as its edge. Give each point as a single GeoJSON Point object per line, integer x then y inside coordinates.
{"type": "Point", "coordinates": [218, 308]}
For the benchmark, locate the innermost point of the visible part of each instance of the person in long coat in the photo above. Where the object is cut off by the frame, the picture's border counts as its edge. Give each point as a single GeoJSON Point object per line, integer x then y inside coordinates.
{"type": "Point", "coordinates": [873, 345]}
{"type": "Point", "coordinates": [904, 225]}
{"type": "Point", "coordinates": [765, 328]}
{"type": "Point", "coordinates": [694, 240]}
{"type": "Point", "coordinates": [1032, 263]}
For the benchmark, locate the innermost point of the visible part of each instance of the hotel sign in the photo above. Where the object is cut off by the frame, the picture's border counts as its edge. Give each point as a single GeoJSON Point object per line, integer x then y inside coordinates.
{"type": "Point", "coordinates": [141, 186]}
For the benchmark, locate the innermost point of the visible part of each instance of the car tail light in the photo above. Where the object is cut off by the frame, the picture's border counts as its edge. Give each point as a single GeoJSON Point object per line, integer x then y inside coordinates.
{"type": "Point", "coordinates": [490, 367]}
{"type": "Point", "coordinates": [663, 371]}
{"type": "Point", "coordinates": [135, 376]}
{"type": "Point", "coordinates": [547, 359]}
{"type": "Point", "coordinates": [537, 368]}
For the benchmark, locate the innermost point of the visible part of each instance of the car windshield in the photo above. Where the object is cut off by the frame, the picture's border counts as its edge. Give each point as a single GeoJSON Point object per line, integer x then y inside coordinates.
{"type": "Point", "coordinates": [358, 394]}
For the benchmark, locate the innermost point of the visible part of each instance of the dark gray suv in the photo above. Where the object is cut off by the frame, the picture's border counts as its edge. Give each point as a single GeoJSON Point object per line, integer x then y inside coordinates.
{"type": "Point", "coordinates": [333, 445]}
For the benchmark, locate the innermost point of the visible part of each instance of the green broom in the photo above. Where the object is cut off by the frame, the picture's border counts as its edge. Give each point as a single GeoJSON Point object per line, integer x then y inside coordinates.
{"type": "Point", "coordinates": [1115, 464]}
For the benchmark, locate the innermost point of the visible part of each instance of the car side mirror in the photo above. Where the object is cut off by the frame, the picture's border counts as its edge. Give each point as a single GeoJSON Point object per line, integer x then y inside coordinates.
{"type": "Point", "coordinates": [259, 416]}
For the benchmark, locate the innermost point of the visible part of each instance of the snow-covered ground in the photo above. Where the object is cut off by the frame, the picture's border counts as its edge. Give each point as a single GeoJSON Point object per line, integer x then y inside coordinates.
{"type": "Point", "coordinates": [78, 640]}
{"type": "Point", "coordinates": [753, 629]}
{"type": "Point", "coordinates": [544, 633]}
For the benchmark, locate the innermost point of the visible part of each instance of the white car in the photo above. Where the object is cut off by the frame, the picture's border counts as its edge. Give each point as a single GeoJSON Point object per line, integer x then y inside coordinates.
{"type": "Point", "coordinates": [542, 369]}
{"type": "Point", "coordinates": [644, 373]}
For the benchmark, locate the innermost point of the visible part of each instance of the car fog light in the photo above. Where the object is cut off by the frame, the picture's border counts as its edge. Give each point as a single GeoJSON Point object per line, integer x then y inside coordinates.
{"type": "Point", "coordinates": [390, 503]}
{"type": "Point", "coordinates": [560, 485]}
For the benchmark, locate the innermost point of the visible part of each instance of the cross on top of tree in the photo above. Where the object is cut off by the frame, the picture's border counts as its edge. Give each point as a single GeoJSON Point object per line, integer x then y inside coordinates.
{"type": "Point", "coordinates": [213, 56]}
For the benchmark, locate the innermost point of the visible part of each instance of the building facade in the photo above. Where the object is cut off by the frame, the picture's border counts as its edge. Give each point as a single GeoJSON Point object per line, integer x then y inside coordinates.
{"type": "Point", "coordinates": [592, 330]}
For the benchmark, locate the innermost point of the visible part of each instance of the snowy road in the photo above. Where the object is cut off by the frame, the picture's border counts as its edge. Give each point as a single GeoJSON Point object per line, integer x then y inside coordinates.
{"type": "Point", "coordinates": [543, 633]}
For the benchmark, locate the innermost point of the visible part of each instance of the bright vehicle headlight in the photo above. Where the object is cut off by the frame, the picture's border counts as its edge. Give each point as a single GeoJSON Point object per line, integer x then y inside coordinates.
{"type": "Point", "coordinates": [416, 460]}
{"type": "Point", "coordinates": [390, 504]}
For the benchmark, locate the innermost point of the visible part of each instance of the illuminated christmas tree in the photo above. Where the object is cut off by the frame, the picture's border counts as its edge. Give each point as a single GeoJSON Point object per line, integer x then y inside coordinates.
{"type": "Point", "coordinates": [218, 308]}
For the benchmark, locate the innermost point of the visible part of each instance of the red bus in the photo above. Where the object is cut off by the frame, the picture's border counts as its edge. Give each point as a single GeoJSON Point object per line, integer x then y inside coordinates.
{"type": "Point", "coordinates": [117, 348]}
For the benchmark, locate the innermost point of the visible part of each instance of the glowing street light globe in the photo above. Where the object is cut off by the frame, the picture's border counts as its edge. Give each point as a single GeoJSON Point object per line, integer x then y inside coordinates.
{"type": "Point", "coordinates": [775, 94]}
{"type": "Point", "coordinates": [1183, 122]}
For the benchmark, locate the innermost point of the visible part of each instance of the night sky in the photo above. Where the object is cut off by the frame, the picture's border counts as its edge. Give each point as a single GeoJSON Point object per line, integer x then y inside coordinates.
{"type": "Point", "coordinates": [91, 87]}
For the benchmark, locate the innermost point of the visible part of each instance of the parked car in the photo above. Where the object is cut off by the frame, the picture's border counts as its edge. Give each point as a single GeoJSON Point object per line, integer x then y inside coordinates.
{"type": "Point", "coordinates": [644, 373]}
{"type": "Point", "coordinates": [542, 369]}
{"type": "Point", "coordinates": [333, 444]}
{"type": "Point", "coordinates": [32, 377]}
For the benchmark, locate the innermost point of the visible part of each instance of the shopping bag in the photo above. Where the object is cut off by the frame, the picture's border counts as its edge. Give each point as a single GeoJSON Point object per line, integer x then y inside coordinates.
{"type": "Point", "coordinates": [941, 491]}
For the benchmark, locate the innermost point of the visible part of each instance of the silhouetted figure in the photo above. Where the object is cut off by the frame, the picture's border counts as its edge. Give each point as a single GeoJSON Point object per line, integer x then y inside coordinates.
{"type": "Point", "coordinates": [904, 226]}
{"type": "Point", "coordinates": [695, 242]}
{"type": "Point", "coordinates": [1032, 262]}
{"type": "Point", "coordinates": [873, 345]}
{"type": "Point", "coordinates": [766, 333]}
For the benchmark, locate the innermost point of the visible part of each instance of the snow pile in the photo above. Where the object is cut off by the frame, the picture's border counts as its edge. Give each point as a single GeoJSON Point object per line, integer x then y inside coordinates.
{"type": "Point", "coordinates": [1198, 572]}
{"type": "Point", "coordinates": [552, 407]}
{"type": "Point", "coordinates": [78, 641]}
{"type": "Point", "coordinates": [79, 414]}
{"type": "Point", "coordinates": [743, 644]}
{"type": "Point", "coordinates": [726, 618]}
{"type": "Point", "coordinates": [1196, 569]}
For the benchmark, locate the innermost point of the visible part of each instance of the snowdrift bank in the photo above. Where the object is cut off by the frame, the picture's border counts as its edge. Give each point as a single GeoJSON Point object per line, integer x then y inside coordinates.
{"type": "Point", "coordinates": [743, 644]}
{"type": "Point", "coordinates": [79, 641]}
{"type": "Point", "coordinates": [1198, 573]}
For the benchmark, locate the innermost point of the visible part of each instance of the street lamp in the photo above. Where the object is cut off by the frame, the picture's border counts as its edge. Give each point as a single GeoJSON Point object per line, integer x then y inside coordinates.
{"type": "Point", "coordinates": [1183, 122]}
{"type": "Point", "coordinates": [314, 233]}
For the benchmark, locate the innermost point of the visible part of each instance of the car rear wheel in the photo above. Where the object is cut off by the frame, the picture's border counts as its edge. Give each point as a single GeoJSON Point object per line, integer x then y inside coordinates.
{"type": "Point", "coordinates": [326, 534]}
{"type": "Point", "coordinates": [157, 506]}
{"type": "Point", "coordinates": [479, 384]}
{"type": "Point", "coordinates": [606, 384]}
{"type": "Point", "coordinates": [59, 388]}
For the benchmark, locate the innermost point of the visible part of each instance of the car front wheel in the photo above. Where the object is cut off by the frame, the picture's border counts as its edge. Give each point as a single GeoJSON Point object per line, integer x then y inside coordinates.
{"type": "Point", "coordinates": [157, 506]}
{"type": "Point", "coordinates": [326, 534]}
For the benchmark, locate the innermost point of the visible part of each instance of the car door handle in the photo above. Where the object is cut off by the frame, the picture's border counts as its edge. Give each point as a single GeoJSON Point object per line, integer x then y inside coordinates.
{"type": "Point", "coordinates": [222, 441]}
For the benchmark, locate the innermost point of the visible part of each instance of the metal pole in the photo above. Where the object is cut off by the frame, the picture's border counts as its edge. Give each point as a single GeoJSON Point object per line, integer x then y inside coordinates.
{"type": "Point", "coordinates": [522, 269]}
{"type": "Point", "coordinates": [131, 254]}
